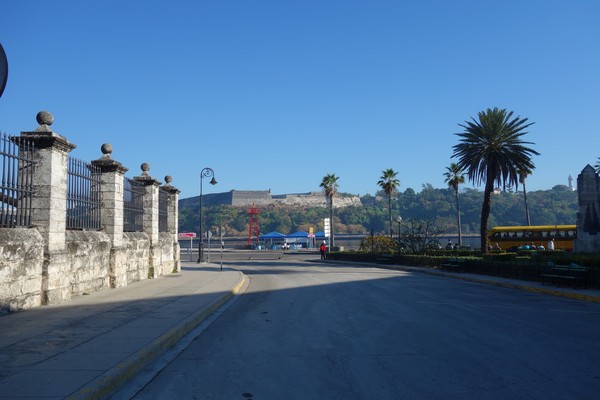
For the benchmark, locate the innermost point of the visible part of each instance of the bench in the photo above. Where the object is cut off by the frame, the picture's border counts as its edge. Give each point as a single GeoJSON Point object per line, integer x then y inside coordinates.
{"type": "Point", "coordinates": [453, 264]}
{"type": "Point", "coordinates": [574, 274]}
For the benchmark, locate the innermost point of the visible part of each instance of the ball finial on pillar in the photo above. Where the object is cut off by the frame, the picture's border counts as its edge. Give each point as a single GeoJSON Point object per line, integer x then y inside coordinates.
{"type": "Point", "coordinates": [106, 150]}
{"type": "Point", "coordinates": [145, 168]}
{"type": "Point", "coordinates": [44, 118]}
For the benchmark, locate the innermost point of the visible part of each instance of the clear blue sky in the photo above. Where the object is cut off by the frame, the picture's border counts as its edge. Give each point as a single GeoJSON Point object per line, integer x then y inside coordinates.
{"type": "Point", "coordinates": [277, 94]}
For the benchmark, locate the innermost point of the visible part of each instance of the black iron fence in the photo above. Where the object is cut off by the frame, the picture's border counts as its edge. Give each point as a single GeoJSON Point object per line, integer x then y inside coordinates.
{"type": "Point", "coordinates": [133, 206]}
{"type": "Point", "coordinates": [83, 195]}
{"type": "Point", "coordinates": [16, 190]}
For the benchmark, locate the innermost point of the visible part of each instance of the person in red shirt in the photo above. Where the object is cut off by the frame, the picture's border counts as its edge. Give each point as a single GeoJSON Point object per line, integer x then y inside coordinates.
{"type": "Point", "coordinates": [323, 250]}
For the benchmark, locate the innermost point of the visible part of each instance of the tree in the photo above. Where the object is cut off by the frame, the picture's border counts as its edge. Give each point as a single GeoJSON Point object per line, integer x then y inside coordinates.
{"type": "Point", "coordinates": [597, 166]}
{"type": "Point", "coordinates": [418, 236]}
{"type": "Point", "coordinates": [330, 187]}
{"type": "Point", "coordinates": [491, 150]}
{"type": "Point", "coordinates": [377, 244]}
{"type": "Point", "coordinates": [389, 184]}
{"type": "Point", "coordinates": [523, 173]}
{"type": "Point", "coordinates": [454, 177]}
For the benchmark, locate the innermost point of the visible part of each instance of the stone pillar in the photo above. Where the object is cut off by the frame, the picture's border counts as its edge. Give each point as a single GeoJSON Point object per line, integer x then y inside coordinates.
{"type": "Point", "coordinates": [111, 213]}
{"type": "Point", "coordinates": [49, 205]}
{"type": "Point", "coordinates": [173, 220]}
{"type": "Point", "coordinates": [150, 219]}
{"type": "Point", "coordinates": [588, 216]}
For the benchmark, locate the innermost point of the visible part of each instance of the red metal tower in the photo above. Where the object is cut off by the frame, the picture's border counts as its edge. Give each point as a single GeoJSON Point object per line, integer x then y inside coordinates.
{"type": "Point", "coordinates": [253, 229]}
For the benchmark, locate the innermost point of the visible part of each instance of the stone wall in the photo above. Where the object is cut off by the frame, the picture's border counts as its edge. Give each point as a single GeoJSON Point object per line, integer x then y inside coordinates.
{"type": "Point", "coordinates": [21, 261]}
{"type": "Point", "coordinates": [88, 256]}
{"type": "Point", "coordinates": [87, 261]}
{"type": "Point", "coordinates": [243, 198]}
{"type": "Point", "coordinates": [164, 255]}
{"type": "Point", "coordinates": [317, 199]}
{"type": "Point", "coordinates": [137, 256]}
{"type": "Point", "coordinates": [50, 263]}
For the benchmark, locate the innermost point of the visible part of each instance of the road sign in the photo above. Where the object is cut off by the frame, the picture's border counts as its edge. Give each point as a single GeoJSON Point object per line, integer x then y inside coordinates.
{"type": "Point", "coordinates": [185, 235]}
{"type": "Point", "coordinates": [3, 69]}
{"type": "Point", "coordinates": [208, 234]}
{"type": "Point", "coordinates": [327, 227]}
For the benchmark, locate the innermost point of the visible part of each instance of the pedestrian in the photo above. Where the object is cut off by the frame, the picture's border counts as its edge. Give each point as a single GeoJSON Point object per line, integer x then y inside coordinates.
{"type": "Point", "coordinates": [323, 250]}
{"type": "Point", "coordinates": [551, 244]}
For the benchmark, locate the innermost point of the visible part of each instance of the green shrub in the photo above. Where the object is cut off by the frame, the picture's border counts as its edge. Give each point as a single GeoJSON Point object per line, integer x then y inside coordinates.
{"type": "Point", "coordinates": [378, 245]}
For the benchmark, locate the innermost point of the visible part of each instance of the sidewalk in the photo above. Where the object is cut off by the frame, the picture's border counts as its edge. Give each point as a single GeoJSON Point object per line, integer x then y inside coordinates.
{"type": "Point", "coordinates": [590, 295]}
{"type": "Point", "coordinates": [87, 347]}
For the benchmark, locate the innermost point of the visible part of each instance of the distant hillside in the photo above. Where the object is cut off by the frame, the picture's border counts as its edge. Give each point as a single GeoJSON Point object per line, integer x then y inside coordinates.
{"type": "Point", "coordinates": [293, 212]}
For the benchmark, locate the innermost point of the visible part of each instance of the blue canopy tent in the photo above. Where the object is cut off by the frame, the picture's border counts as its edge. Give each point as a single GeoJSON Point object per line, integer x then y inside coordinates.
{"type": "Point", "coordinates": [298, 238]}
{"type": "Point", "coordinates": [298, 235]}
{"type": "Point", "coordinates": [272, 235]}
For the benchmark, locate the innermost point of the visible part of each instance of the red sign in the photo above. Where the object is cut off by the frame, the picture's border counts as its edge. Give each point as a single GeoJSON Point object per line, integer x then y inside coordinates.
{"type": "Point", "coordinates": [187, 235]}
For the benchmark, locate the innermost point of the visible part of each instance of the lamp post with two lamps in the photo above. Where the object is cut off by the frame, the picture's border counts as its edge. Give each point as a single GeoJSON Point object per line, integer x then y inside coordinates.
{"type": "Point", "coordinates": [205, 173]}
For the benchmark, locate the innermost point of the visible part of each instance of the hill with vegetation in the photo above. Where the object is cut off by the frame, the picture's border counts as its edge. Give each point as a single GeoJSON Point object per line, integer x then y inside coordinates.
{"type": "Point", "coordinates": [547, 207]}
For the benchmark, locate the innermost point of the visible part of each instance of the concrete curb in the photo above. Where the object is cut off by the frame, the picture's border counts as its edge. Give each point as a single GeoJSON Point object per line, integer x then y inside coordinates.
{"type": "Point", "coordinates": [518, 286]}
{"type": "Point", "coordinates": [533, 289]}
{"type": "Point", "coordinates": [108, 382]}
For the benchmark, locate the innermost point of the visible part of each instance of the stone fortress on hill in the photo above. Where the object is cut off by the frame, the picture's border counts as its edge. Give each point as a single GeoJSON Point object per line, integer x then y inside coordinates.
{"type": "Point", "coordinates": [243, 198]}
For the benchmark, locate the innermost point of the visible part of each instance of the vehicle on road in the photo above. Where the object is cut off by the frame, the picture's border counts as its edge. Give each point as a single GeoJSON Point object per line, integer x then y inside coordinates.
{"type": "Point", "coordinates": [511, 237]}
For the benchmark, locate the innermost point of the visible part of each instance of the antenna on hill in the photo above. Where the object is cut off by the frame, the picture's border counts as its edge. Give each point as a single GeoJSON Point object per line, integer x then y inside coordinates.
{"type": "Point", "coordinates": [253, 229]}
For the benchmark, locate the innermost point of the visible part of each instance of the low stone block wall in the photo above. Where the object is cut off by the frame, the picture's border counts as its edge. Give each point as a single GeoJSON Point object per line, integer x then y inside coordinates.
{"type": "Point", "coordinates": [88, 257]}
{"type": "Point", "coordinates": [21, 261]}
{"type": "Point", "coordinates": [137, 256]}
{"type": "Point", "coordinates": [88, 264]}
{"type": "Point", "coordinates": [165, 256]}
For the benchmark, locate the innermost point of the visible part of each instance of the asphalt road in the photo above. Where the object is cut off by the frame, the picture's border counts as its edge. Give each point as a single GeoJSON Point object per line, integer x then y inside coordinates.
{"type": "Point", "coordinates": [314, 331]}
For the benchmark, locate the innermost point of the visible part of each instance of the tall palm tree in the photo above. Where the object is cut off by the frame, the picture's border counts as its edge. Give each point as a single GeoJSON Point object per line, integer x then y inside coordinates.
{"type": "Point", "coordinates": [389, 184]}
{"type": "Point", "coordinates": [454, 177]}
{"type": "Point", "coordinates": [597, 166]}
{"type": "Point", "coordinates": [523, 174]}
{"type": "Point", "coordinates": [491, 150]}
{"type": "Point", "coordinates": [330, 187]}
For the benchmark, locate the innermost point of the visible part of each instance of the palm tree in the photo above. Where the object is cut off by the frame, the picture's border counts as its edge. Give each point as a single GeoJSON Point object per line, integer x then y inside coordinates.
{"type": "Point", "coordinates": [491, 150]}
{"type": "Point", "coordinates": [454, 177]}
{"type": "Point", "coordinates": [523, 174]}
{"type": "Point", "coordinates": [389, 184]}
{"type": "Point", "coordinates": [597, 166]}
{"type": "Point", "coordinates": [330, 187]}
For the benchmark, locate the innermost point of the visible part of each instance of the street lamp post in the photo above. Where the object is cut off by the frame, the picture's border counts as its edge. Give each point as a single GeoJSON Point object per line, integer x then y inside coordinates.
{"type": "Point", "coordinates": [399, 221]}
{"type": "Point", "coordinates": [205, 173]}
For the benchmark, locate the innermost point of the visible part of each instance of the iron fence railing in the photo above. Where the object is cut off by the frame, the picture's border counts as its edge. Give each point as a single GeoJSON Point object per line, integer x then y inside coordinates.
{"type": "Point", "coordinates": [83, 195]}
{"type": "Point", "coordinates": [163, 210]}
{"type": "Point", "coordinates": [133, 206]}
{"type": "Point", "coordinates": [16, 190]}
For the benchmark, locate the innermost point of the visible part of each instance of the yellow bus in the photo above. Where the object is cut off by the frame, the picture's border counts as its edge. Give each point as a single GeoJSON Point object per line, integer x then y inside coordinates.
{"type": "Point", "coordinates": [511, 237]}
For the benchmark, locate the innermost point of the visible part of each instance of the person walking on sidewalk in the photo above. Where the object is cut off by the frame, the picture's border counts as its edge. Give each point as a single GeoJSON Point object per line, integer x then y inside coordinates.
{"type": "Point", "coordinates": [323, 250]}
